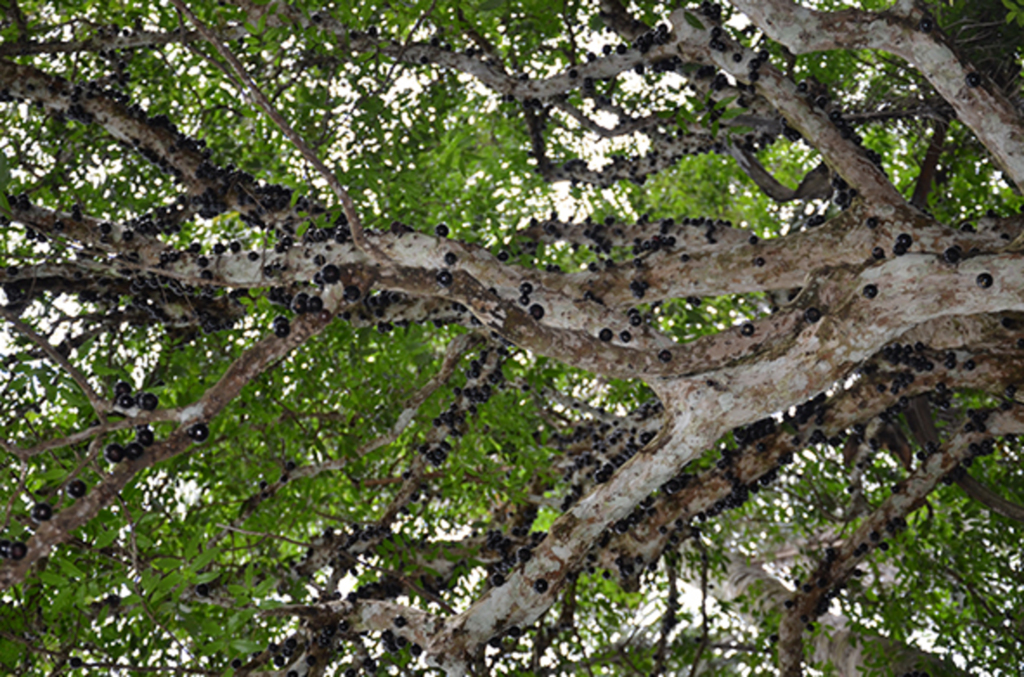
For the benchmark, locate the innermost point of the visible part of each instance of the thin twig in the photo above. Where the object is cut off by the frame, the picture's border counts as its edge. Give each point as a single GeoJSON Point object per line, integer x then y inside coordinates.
{"type": "Point", "coordinates": [98, 404]}
{"type": "Point", "coordinates": [703, 605]}
{"type": "Point", "coordinates": [348, 206]}
{"type": "Point", "coordinates": [262, 534]}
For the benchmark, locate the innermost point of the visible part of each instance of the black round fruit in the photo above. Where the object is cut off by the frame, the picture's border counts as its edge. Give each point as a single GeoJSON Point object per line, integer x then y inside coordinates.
{"type": "Point", "coordinates": [198, 432]}
{"type": "Point", "coordinates": [122, 388]}
{"type": "Point", "coordinates": [605, 334]}
{"type": "Point", "coordinates": [315, 304]}
{"type": "Point", "coordinates": [203, 590]}
{"type": "Point", "coordinates": [812, 315]}
{"type": "Point", "coordinates": [441, 230]}
{"type": "Point", "coordinates": [537, 311]}
{"type": "Point", "coordinates": [133, 450]}
{"type": "Point", "coordinates": [625, 336]}
{"type": "Point", "coordinates": [114, 453]}
{"type": "Point", "coordinates": [125, 401]}
{"type": "Point", "coordinates": [330, 274]}
{"type": "Point", "coordinates": [450, 258]}
{"type": "Point", "coordinates": [984, 280]}
{"type": "Point", "coordinates": [352, 293]}
{"type": "Point", "coordinates": [665, 355]}
{"type": "Point", "coordinates": [973, 79]}
{"type": "Point", "coordinates": [75, 662]}
{"type": "Point", "coordinates": [17, 551]}
{"type": "Point", "coordinates": [282, 327]}
{"type": "Point", "coordinates": [42, 512]}
{"type": "Point", "coordinates": [870, 291]}
{"type": "Point", "coordinates": [144, 436]}
{"type": "Point", "coordinates": [747, 329]}
{"type": "Point", "coordinates": [540, 586]}
{"type": "Point", "coordinates": [76, 488]}
{"type": "Point", "coordinates": [148, 401]}
{"type": "Point", "coordinates": [299, 302]}
{"type": "Point", "coordinates": [444, 278]}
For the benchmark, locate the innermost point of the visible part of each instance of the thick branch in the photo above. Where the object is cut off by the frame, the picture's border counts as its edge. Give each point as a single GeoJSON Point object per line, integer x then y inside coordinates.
{"type": "Point", "coordinates": [992, 117]}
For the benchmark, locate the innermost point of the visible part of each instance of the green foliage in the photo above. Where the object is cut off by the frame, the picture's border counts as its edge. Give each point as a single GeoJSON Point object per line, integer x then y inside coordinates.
{"type": "Point", "coordinates": [422, 145]}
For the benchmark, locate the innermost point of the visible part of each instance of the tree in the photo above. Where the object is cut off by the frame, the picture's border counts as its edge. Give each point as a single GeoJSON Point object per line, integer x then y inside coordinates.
{"type": "Point", "coordinates": [395, 338]}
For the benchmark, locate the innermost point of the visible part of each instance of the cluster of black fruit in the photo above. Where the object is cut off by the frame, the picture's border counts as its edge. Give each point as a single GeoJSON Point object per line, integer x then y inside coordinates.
{"type": "Point", "coordinates": [607, 446]}
{"type": "Point", "coordinates": [513, 550]}
{"type": "Point", "coordinates": [115, 453]}
{"type": "Point", "coordinates": [124, 399]}
{"type": "Point", "coordinates": [14, 550]}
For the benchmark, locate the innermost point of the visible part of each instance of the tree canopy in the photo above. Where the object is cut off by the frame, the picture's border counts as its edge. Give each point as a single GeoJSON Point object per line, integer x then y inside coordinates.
{"type": "Point", "coordinates": [511, 337]}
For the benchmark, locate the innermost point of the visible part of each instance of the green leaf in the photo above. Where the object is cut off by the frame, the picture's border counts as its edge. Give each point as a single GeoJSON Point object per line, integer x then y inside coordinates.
{"type": "Point", "coordinates": [5, 173]}
{"type": "Point", "coordinates": [204, 558]}
{"type": "Point", "coordinates": [105, 538]}
{"type": "Point", "coordinates": [693, 20]}
{"type": "Point", "coordinates": [52, 578]}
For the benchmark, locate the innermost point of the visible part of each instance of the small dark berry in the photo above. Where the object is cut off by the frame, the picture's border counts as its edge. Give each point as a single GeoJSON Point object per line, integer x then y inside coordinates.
{"type": "Point", "coordinates": [665, 355]}
{"type": "Point", "coordinates": [605, 334]}
{"type": "Point", "coordinates": [625, 336]}
{"type": "Point", "coordinates": [282, 327]}
{"type": "Point", "coordinates": [872, 222]}
{"type": "Point", "coordinates": [878, 253]}
{"type": "Point", "coordinates": [812, 315]}
{"type": "Point", "coordinates": [352, 293]}
{"type": "Point", "coordinates": [17, 551]}
{"type": "Point", "coordinates": [870, 291]}
{"type": "Point", "coordinates": [973, 79]}
{"type": "Point", "coordinates": [203, 590]}
{"type": "Point", "coordinates": [747, 329]}
{"type": "Point", "coordinates": [984, 280]}
{"type": "Point", "coordinates": [198, 432]}
{"type": "Point", "coordinates": [42, 512]}
{"type": "Point", "coordinates": [75, 662]}
{"type": "Point", "coordinates": [148, 401]}
{"type": "Point", "coordinates": [444, 278]}
{"type": "Point", "coordinates": [537, 311]}
{"type": "Point", "coordinates": [114, 453]}
{"type": "Point", "coordinates": [540, 586]}
{"type": "Point", "coordinates": [330, 274]}
{"type": "Point", "coordinates": [76, 488]}
{"type": "Point", "coordinates": [450, 259]}
{"type": "Point", "coordinates": [441, 230]}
